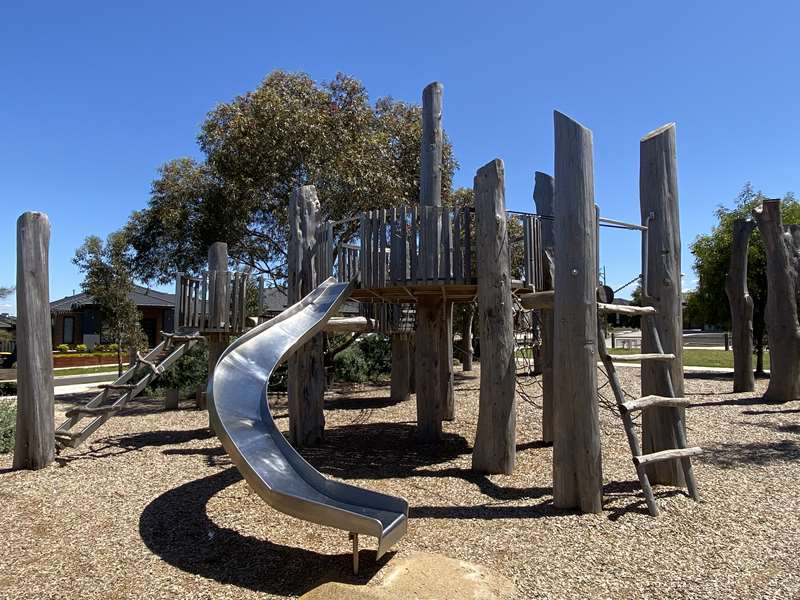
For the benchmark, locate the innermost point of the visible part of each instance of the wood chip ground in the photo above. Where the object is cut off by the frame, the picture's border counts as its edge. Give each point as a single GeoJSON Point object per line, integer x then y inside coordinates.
{"type": "Point", "coordinates": [152, 508]}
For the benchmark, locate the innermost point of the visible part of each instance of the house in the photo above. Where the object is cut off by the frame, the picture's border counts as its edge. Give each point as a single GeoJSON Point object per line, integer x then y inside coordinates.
{"type": "Point", "coordinates": [8, 332]}
{"type": "Point", "coordinates": [76, 320]}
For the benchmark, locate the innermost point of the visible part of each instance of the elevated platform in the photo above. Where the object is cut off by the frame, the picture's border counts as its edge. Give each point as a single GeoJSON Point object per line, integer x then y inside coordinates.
{"type": "Point", "coordinates": [412, 292]}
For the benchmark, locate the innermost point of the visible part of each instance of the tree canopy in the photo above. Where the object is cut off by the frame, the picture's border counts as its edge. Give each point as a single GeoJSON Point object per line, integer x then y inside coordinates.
{"type": "Point", "coordinates": [258, 148]}
{"type": "Point", "coordinates": [712, 253]}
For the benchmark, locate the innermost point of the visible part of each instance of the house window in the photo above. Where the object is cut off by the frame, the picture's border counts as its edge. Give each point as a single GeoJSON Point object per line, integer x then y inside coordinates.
{"type": "Point", "coordinates": [68, 333]}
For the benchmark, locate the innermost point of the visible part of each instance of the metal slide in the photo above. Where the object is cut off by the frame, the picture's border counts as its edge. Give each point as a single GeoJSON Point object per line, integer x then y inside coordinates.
{"type": "Point", "coordinates": [240, 415]}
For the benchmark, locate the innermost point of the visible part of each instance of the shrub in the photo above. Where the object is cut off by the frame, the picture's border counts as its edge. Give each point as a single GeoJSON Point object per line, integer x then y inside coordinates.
{"type": "Point", "coordinates": [8, 421]}
{"type": "Point", "coordinates": [190, 371]}
{"type": "Point", "coordinates": [350, 365]}
{"type": "Point", "coordinates": [377, 351]}
{"type": "Point", "coordinates": [63, 347]}
{"type": "Point", "coordinates": [81, 348]}
{"type": "Point", "coordinates": [8, 388]}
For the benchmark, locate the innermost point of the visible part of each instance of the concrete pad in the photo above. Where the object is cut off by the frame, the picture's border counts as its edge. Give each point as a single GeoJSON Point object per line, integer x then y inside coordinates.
{"type": "Point", "coordinates": [424, 576]}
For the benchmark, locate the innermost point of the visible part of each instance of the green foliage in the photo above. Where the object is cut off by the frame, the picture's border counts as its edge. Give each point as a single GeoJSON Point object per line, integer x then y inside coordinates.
{"type": "Point", "coordinates": [368, 359]}
{"type": "Point", "coordinates": [63, 347]}
{"type": "Point", "coordinates": [81, 348]}
{"type": "Point", "coordinates": [377, 350]}
{"type": "Point", "coordinates": [712, 253]}
{"type": "Point", "coordinates": [190, 371]}
{"type": "Point", "coordinates": [8, 388]}
{"type": "Point", "coordinates": [350, 365]}
{"type": "Point", "coordinates": [108, 279]}
{"type": "Point", "coordinates": [8, 423]}
{"type": "Point", "coordinates": [258, 148]}
{"type": "Point", "coordinates": [5, 292]}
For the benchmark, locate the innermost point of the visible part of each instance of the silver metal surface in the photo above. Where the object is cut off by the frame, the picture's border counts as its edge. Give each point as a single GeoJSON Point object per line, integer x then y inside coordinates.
{"type": "Point", "coordinates": [240, 415]}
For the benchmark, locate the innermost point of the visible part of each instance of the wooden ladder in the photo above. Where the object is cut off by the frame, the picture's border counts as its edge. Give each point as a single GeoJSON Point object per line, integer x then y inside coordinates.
{"type": "Point", "coordinates": [103, 406]}
{"type": "Point", "coordinates": [670, 402]}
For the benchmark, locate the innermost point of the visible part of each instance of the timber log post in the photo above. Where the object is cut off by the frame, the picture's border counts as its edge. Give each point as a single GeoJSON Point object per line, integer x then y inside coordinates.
{"type": "Point", "coordinates": [434, 340]}
{"type": "Point", "coordinates": [741, 307]}
{"type": "Point", "coordinates": [495, 440]}
{"type": "Point", "coordinates": [544, 197]}
{"type": "Point", "coordinates": [577, 465]}
{"type": "Point", "coordinates": [34, 447]}
{"type": "Point", "coordinates": [781, 244]}
{"type": "Point", "coordinates": [218, 265]}
{"type": "Point", "coordinates": [306, 378]}
{"type": "Point", "coordinates": [658, 198]}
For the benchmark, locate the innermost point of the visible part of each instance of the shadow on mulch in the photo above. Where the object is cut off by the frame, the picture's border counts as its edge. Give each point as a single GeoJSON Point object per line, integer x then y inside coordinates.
{"type": "Point", "coordinates": [359, 403]}
{"type": "Point", "coordinates": [728, 456]}
{"type": "Point", "coordinates": [176, 527]}
{"type": "Point", "coordinates": [112, 446]}
{"type": "Point", "coordinates": [380, 451]}
{"type": "Point", "coordinates": [786, 411]}
{"type": "Point", "coordinates": [756, 400]}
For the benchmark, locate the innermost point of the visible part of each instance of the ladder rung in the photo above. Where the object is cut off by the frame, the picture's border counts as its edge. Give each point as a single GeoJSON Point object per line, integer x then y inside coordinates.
{"type": "Point", "coordinates": [86, 410]}
{"type": "Point", "coordinates": [622, 309]}
{"type": "Point", "coordinates": [117, 386]}
{"type": "Point", "coordinates": [646, 459]}
{"type": "Point", "coordinates": [653, 402]}
{"type": "Point", "coordinates": [640, 357]}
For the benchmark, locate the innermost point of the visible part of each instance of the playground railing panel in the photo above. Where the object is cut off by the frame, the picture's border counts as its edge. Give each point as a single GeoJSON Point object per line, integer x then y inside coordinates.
{"type": "Point", "coordinates": [212, 301]}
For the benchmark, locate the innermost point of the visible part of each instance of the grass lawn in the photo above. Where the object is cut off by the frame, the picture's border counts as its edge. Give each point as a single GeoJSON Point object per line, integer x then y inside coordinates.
{"type": "Point", "coordinates": [699, 357]}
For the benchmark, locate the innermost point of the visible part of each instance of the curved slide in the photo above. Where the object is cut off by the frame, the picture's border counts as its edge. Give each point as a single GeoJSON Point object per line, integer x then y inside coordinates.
{"type": "Point", "coordinates": [241, 417]}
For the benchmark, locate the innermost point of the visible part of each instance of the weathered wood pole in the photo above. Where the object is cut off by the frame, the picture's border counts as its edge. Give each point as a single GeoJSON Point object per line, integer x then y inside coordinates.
{"type": "Point", "coordinates": [306, 377]}
{"type": "Point", "coordinates": [782, 244]}
{"type": "Point", "coordinates": [577, 465]}
{"type": "Point", "coordinates": [34, 446]}
{"type": "Point", "coordinates": [741, 307]}
{"type": "Point", "coordinates": [400, 389]}
{"type": "Point", "coordinates": [658, 196]}
{"type": "Point", "coordinates": [544, 197]}
{"type": "Point", "coordinates": [495, 440]}
{"type": "Point", "coordinates": [467, 352]}
{"type": "Point", "coordinates": [218, 265]}
{"type": "Point", "coordinates": [434, 382]}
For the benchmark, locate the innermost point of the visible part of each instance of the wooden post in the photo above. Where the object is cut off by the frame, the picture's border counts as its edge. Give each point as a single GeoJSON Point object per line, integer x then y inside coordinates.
{"type": "Point", "coordinates": [306, 378]}
{"type": "Point", "coordinates": [217, 272]}
{"type": "Point", "coordinates": [658, 196]}
{"type": "Point", "coordinates": [544, 197]}
{"type": "Point", "coordinates": [495, 440]}
{"type": "Point", "coordinates": [466, 337]}
{"type": "Point", "coordinates": [741, 308]}
{"type": "Point", "coordinates": [434, 314]}
{"type": "Point", "coordinates": [171, 399]}
{"type": "Point", "coordinates": [781, 245]}
{"type": "Point", "coordinates": [34, 447]}
{"type": "Point", "coordinates": [577, 466]}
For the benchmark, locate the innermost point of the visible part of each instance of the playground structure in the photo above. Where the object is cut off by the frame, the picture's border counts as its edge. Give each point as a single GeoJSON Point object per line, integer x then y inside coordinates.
{"type": "Point", "coordinates": [412, 263]}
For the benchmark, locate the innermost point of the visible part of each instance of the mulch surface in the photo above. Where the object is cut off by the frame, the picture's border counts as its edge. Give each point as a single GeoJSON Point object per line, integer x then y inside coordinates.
{"type": "Point", "coordinates": [151, 507]}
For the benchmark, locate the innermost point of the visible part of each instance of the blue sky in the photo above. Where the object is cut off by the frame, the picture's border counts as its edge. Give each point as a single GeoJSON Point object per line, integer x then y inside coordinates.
{"type": "Point", "coordinates": [96, 95]}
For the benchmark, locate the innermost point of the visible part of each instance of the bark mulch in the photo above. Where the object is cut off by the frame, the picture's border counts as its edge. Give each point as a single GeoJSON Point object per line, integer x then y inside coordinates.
{"type": "Point", "coordinates": [153, 508]}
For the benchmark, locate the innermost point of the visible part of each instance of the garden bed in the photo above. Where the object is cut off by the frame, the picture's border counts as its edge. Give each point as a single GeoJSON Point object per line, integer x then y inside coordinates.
{"type": "Point", "coordinates": [154, 500]}
{"type": "Point", "coordinates": [85, 359]}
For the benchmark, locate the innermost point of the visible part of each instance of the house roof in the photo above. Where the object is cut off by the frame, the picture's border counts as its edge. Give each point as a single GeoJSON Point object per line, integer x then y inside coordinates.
{"type": "Point", "coordinates": [142, 296]}
{"type": "Point", "coordinates": [7, 321]}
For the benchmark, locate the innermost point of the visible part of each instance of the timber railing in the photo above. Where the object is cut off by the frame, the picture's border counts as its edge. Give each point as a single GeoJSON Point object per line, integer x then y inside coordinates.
{"type": "Point", "coordinates": [197, 307]}
{"type": "Point", "coordinates": [426, 245]}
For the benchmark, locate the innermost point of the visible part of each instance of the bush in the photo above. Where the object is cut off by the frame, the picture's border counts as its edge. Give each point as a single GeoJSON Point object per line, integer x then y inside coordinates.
{"type": "Point", "coordinates": [63, 347]}
{"type": "Point", "coordinates": [8, 422]}
{"type": "Point", "coordinates": [81, 348]}
{"type": "Point", "coordinates": [190, 371]}
{"type": "Point", "coordinates": [8, 388]}
{"type": "Point", "coordinates": [350, 365]}
{"type": "Point", "coordinates": [377, 351]}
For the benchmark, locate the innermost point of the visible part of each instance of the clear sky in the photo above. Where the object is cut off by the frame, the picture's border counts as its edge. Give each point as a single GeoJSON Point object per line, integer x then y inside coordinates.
{"type": "Point", "coordinates": [94, 96]}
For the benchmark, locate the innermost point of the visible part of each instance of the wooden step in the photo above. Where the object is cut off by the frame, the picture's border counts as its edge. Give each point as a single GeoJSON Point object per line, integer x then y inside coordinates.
{"type": "Point", "coordinates": [646, 459]}
{"type": "Point", "coordinates": [640, 357]}
{"type": "Point", "coordinates": [622, 309]}
{"type": "Point", "coordinates": [653, 402]}
{"type": "Point", "coordinates": [94, 410]}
